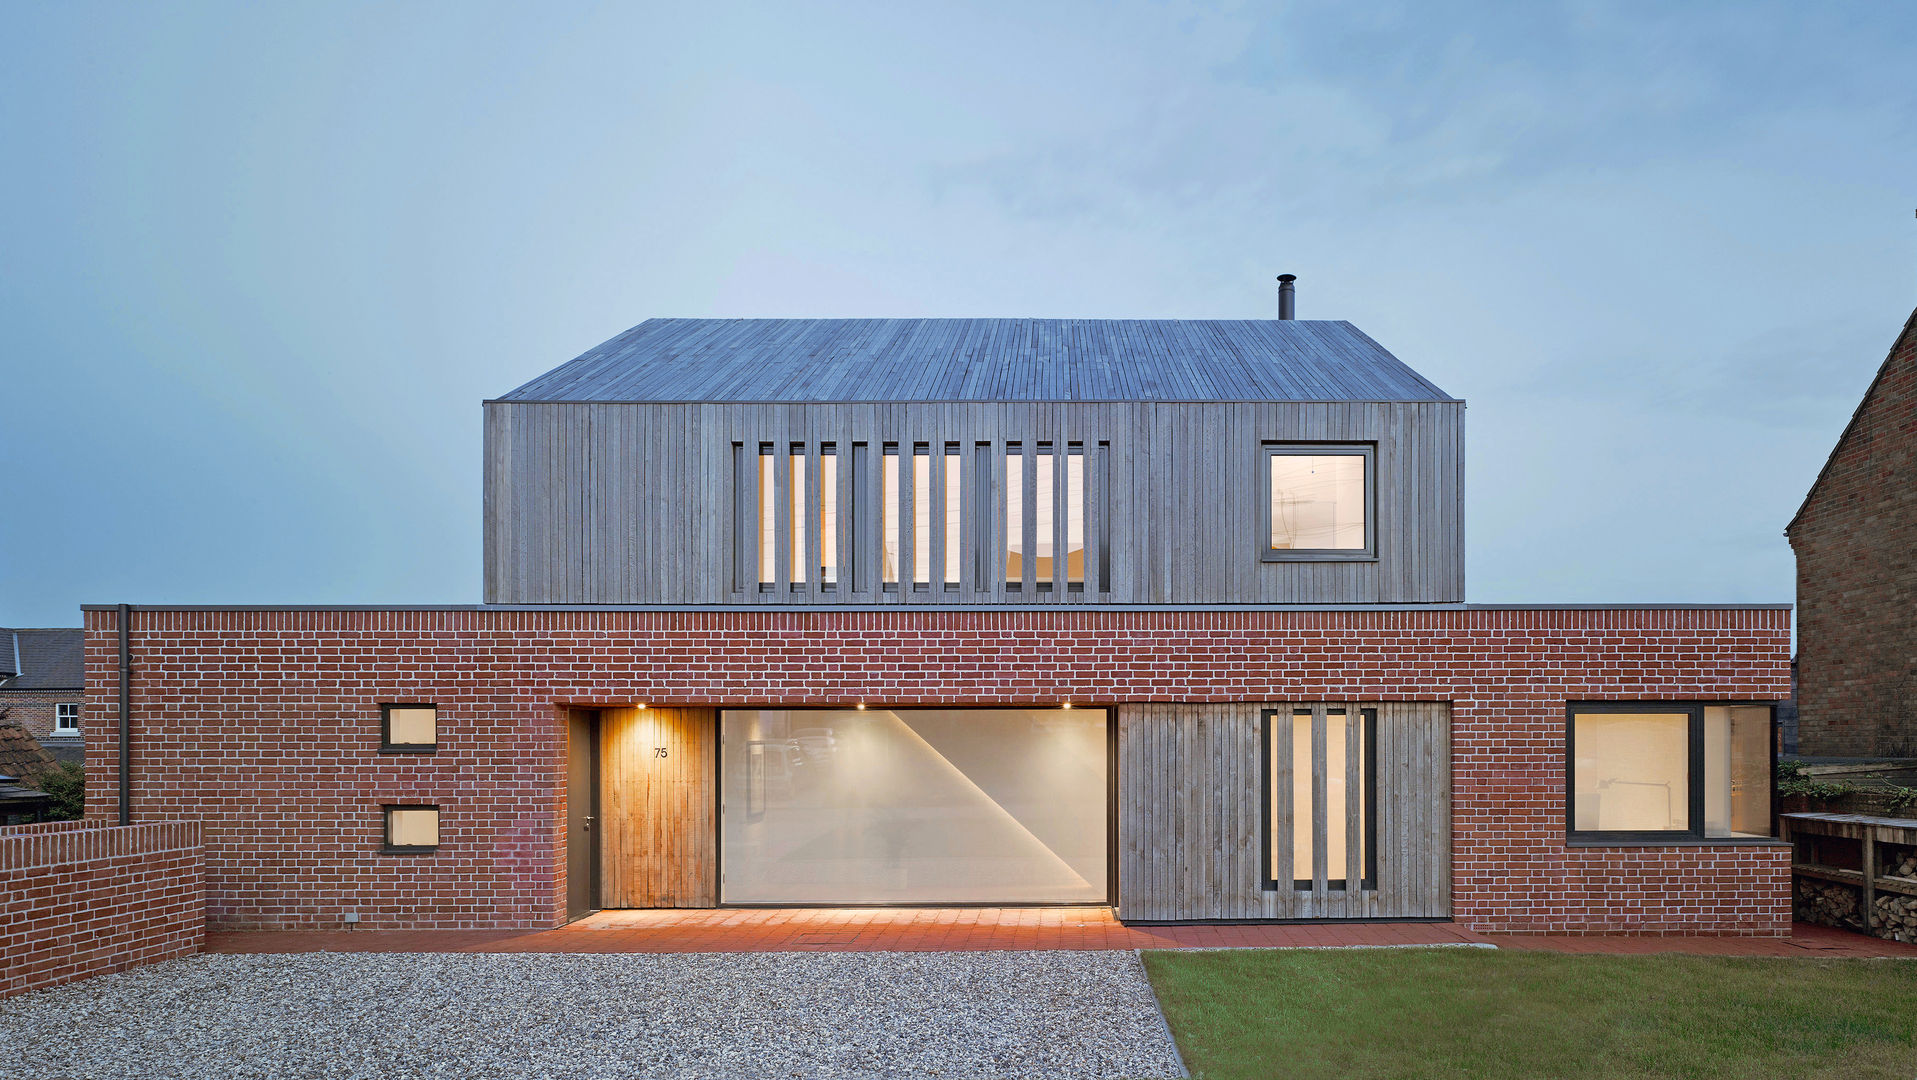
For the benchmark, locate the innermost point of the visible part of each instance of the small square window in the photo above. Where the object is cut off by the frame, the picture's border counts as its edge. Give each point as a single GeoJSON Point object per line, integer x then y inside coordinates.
{"type": "Point", "coordinates": [66, 718]}
{"type": "Point", "coordinates": [1318, 502]}
{"type": "Point", "coordinates": [412, 830]}
{"type": "Point", "coordinates": [410, 728]}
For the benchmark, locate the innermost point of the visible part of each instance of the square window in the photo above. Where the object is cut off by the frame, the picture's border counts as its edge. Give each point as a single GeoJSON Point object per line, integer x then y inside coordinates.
{"type": "Point", "coordinates": [1318, 502]}
{"type": "Point", "coordinates": [1648, 772]}
{"type": "Point", "coordinates": [66, 718]}
{"type": "Point", "coordinates": [412, 830]}
{"type": "Point", "coordinates": [410, 728]}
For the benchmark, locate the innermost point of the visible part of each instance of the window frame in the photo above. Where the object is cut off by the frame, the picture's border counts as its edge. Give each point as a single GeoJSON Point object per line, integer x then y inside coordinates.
{"type": "Point", "coordinates": [387, 847]}
{"type": "Point", "coordinates": [66, 729]}
{"type": "Point", "coordinates": [1694, 776]}
{"type": "Point", "coordinates": [1368, 740]}
{"type": "Point", "coordinates": [1269, 450]}
{"type": "Point", "coordinates": [386, 743]}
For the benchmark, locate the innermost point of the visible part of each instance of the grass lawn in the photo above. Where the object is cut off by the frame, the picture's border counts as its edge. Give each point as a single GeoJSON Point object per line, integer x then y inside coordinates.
{"type": "Point", "coordinates": [1479, 1013]}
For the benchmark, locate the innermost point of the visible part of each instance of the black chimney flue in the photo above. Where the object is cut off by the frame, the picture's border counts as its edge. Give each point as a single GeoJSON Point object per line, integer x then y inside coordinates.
{"type": "Point", "coordinates": [1287, 302]}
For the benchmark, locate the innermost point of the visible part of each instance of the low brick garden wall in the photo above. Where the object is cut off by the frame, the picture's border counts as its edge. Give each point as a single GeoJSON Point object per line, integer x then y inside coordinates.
{"type": "Point", "coordinates": [82, 898]}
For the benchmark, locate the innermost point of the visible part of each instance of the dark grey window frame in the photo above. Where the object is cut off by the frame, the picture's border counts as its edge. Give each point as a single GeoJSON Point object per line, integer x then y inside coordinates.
{"type": "Point", "coordinates": [1368, 738]}
{"type": "Point", "coordinates": [386, 830]}
{"type": "Point", "coordinates": [386, 743]}
{"type": "Point", "coordinates": [1270, 450]}
{"type": "Point", "coordinates": [1694, 773]}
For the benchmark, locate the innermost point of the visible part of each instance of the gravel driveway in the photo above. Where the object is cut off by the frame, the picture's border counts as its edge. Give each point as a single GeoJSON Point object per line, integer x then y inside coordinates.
{"type": "Point", "coordinates": [758, 1015]}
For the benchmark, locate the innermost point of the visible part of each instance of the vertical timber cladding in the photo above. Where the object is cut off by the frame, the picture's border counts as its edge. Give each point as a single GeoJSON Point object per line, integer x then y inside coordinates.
{"type": "Point", "coordinates": [657, 771]}
{"type": "Point", "coordinates": [1191, 803]}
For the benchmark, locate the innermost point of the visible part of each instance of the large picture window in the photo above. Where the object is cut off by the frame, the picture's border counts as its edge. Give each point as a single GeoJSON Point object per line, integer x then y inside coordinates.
{"type": "Point", "coordinates": [1318, 502]}
{"type": "Point", "coordinates": [1668, 771]}
{"type": "Point", "coordinates": [914, 806]}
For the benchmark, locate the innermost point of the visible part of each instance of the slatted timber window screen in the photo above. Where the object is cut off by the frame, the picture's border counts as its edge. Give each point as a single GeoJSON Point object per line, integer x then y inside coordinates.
{"type": "Point", "coordinates": [1321, 798]}
{"type": "Point", "coordinates": [1038, 522]}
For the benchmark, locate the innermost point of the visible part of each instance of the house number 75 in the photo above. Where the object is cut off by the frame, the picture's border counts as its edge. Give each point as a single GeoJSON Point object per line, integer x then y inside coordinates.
{"type": "Point", "coordinates": [659, 751]}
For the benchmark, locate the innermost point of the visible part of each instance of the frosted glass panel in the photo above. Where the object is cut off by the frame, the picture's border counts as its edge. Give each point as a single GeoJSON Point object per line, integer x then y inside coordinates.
{"type": "Point", "coordinates": [1737, 770]}
{"type": "Point", "coordinates": [914, 806]}
{"type": "Point", "coordinates": [1632, 772]}
{"type": "Point", "coordinates": [1318, 502]}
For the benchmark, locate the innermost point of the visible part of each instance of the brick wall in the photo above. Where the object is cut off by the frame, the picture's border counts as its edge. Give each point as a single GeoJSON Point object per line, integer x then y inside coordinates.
{"type": "Point", "coordinates": [33, 710]}
{"type": "Point", "coordinates": [1856, 544]}
{"type": "Point", "coordinates": [83, 898]}
{"type": "Point", "coordinates": [266, 725]}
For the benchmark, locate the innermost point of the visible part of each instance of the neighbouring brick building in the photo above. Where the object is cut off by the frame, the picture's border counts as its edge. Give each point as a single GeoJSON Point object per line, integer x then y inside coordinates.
{"type": "Point", "coordinates": [1162, 615]}
{"type": "Point", "coordinates": [43, 687]}
{"type": "Point", "coordinates": [1856, 542]}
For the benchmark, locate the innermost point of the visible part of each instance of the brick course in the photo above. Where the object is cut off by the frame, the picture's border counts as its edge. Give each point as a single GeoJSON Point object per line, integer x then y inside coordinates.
{"type": "Point", "coordinates": [265, 724]}
{"type": "Point", "coordinates": [1856, 545]}
{"type": "Point", "coordinates": [82, 898]}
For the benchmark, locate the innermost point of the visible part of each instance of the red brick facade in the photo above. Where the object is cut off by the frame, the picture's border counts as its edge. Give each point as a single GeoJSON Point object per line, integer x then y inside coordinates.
{"type": "Point", "coordinates": [265, 724]}
{"type": "Point", "coordinates": [79, 899]}
{"type": "Point", "coordinates": [1856, 544]}
{"type": "Point", "coordinates": [34, 709]}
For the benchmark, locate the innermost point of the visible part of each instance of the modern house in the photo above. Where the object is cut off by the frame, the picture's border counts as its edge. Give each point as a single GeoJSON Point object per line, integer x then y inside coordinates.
{"type": "Point", "coordinates": [1162, 615]}
{"type": "Point", "coordinates": [43, 686]}
{"type": "Point", "coordinates": [1856, 542]}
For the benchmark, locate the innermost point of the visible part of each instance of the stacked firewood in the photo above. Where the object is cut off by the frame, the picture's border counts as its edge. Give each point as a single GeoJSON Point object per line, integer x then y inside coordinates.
{"type": "Point", "coordinates": [1893, 915]}
{"type": "Point", "coordinates": [1896, 916]}
{"type": "Point", "coordinates": [1829, 904]}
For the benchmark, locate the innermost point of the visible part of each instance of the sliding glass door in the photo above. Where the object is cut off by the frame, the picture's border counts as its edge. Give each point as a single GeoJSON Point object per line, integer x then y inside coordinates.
{"type": "Point", "coordinates": [881, 806]}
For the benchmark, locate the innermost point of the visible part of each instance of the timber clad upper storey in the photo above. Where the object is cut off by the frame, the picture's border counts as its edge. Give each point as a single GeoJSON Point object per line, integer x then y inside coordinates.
{"type": "Point", "coordinates": [976, 461]}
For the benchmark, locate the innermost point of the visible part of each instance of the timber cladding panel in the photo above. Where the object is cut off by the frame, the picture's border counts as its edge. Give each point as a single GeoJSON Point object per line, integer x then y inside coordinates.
{"type": "Point", "coordinates": [638, 503]}
{"type": "Point", "coordinates": [265, 725]}
{"type": "Point", "coordinates": [656, 776]}
{"type": "Point", "coordinates": [1192, 805]}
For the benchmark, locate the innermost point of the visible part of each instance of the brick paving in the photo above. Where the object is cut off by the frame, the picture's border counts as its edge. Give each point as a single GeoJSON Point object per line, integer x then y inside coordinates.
{"type": "Point", "coordinates": [968, 929]}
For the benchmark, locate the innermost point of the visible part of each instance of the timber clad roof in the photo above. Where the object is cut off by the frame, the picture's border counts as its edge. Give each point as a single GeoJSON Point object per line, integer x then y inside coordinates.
{"type": "Point", "coordinates": [844, 360]}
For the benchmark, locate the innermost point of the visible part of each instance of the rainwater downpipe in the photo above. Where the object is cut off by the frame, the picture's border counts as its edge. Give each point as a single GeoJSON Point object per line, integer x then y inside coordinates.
{"type": "Point", "coordinates": [126, 714]}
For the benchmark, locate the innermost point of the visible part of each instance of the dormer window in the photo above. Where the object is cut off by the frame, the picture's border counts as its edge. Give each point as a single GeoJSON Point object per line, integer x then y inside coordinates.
{"type": "Point", "coordinates": [1319, 500]}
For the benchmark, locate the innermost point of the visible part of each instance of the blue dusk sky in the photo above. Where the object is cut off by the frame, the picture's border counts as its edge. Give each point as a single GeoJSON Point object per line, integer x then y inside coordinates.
{"type": "Point", "coordinates": [260, 263]}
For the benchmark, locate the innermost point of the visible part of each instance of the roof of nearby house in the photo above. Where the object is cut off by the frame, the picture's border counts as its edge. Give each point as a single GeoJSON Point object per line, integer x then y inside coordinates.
{"type": "Point", "coordinates": [21, 755]}
{"type": "Point", "coordinates": [1897, 348]}
{"type": "Point", "coordinates": [43, 659]}
{"type": "Point", "coordinates": [833, 360]}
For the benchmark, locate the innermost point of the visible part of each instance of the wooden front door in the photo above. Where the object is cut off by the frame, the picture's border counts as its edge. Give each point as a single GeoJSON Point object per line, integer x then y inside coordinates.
{"type": "Point", "coordinates": [657, 772]}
